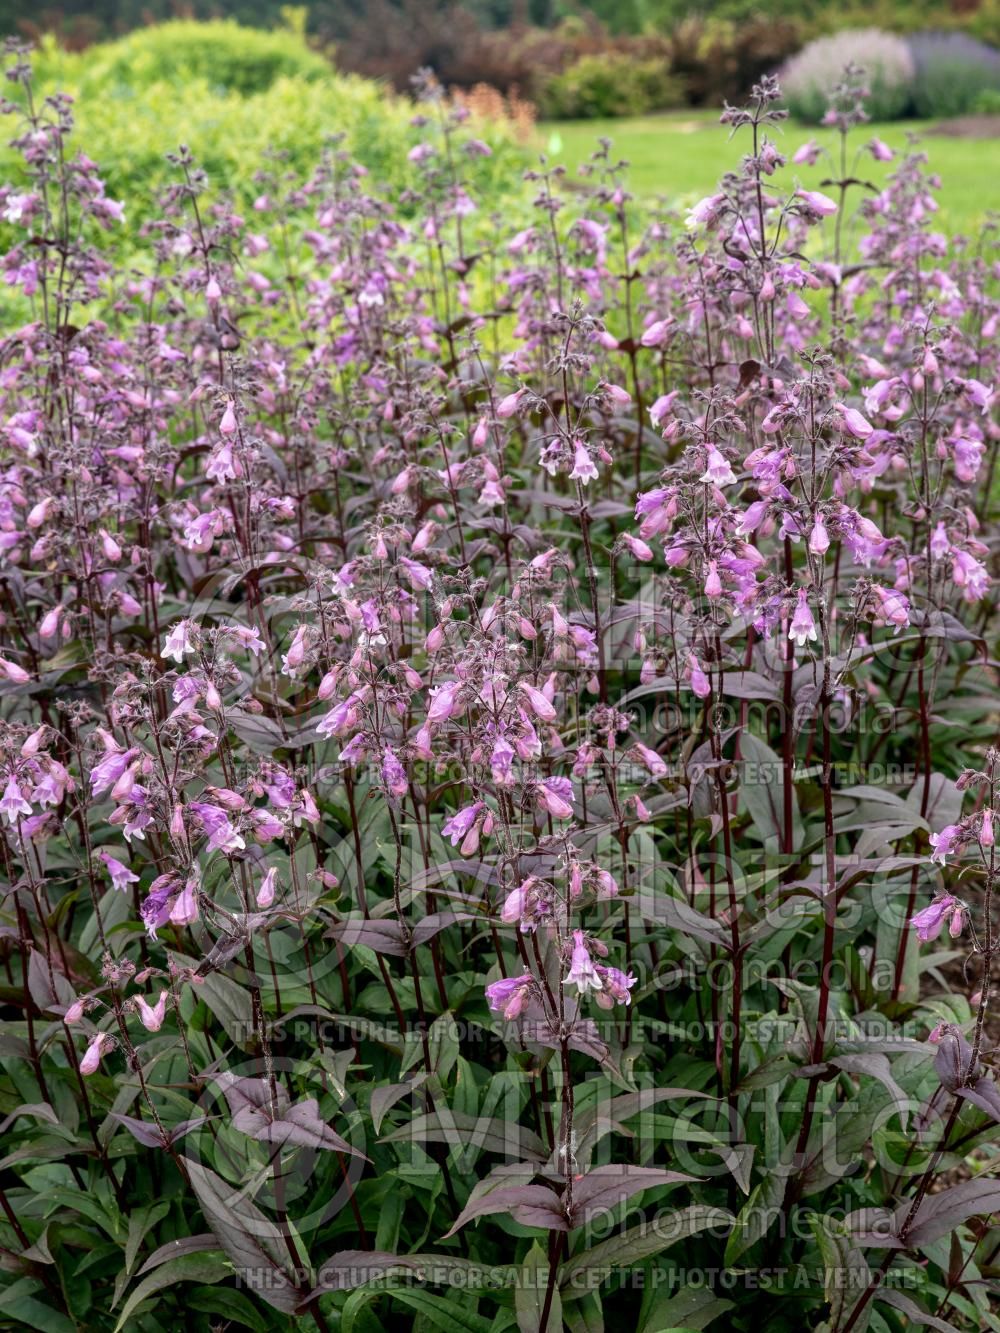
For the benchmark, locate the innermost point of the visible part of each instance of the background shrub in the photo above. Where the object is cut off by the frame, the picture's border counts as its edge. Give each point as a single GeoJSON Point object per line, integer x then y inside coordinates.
{"type": "Point", "coordinates": [225, 55]}
{"type": "Point", "coordinates": [610, 85]}
{"type": "Point", "coordinates": [718, 58]}
{"type": "Point", "coordinates": [952, 70]}
{"type": "Point", "coordinates": [137, 100]}
{"type": "Point", "coordinates": [809, 77]}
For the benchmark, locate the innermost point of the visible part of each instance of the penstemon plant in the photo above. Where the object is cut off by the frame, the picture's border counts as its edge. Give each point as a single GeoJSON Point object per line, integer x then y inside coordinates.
{"type": "Point", "coordinates": [498, 745]}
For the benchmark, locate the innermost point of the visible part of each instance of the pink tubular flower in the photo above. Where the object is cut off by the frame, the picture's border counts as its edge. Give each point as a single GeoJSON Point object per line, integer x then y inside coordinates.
{"type": "Point", "coordinates": [946, 843]}
{"type": "Point", "coordinates": [986, 833]}
{"type": "Point", "coordinates": [461, 822]}
{"type": "Point", "coordinates": [657, 333]}
{"type": "Point", "coordinates": [894, 607]}
{"type": "Point", "coordinates": [555, 795]}
{"type": "Point", "coordinates": [394, 774]}
{"type": "Point", "coordinates": [419, 576]}
{"type": "Point", "coordinates": [819, 538]}
{"type": "Point", "coordinates": [537, 702]}
{"type": "Point", "coordinates": [616, 986]}
{"type": "Point", "coordinates": [930, 919]}
{"type": "Point", "coordinates": [92, 1055]}
{"type": "Point", "coordinates": [152, 1018]}
{"type": "Point", "coordinates": [619, 396]}
{"type": "Point", "coordinates": [222, 837]}
{"type": "Point", "coordinates": [179, 641]}
{"type": "Point", "coordinates": [713, 583]}
{"type": "Point", "coordinates": [584, 469]}
{"type": "Point", "coordinates": [718, 471]}
{"type": "Point", "coordinates": [853, 422]}
{"type": "Point", "coordinates": [657, 768]}
{"type": "Point", "coordinates": [509, 995]}
{"type": "Point", "coordinates": [121, 876]}
{"type": "Point", "coordinates": [980, 394]}
{"type": "Point", "coordinates": [444, 701]}
{"type": "Point", "coordinates": [706, 212]}
{"type": "Point", "coordinates": [699, 681]}
{"type": "Point", "coordinates": [12, 803]}
{"type": "Point", "coordinates": [509, 406]}
{"type": "Point", "coordinates": [293, 659]}
{"type": "Point", "coordinates": [802, 628]}
{"type": "Point", "coordinates": [12, 672]}
{"type": "Point", "coordinates": [513, 906]}
{"type": "Point", "coordinates": [265, 894]}
{"type": "Point", "coordinates": [820, 204]}
{"type": "Point", "coordinates": [184, 912]}
{"type": "Point", "coordinates": [502, 762]}
{"type": "Point", "coordinates": [662, 406]}
{"type": "Point", "coordinates": [637, 547]}
{"type": "Point", "coordinates": [582, 974]}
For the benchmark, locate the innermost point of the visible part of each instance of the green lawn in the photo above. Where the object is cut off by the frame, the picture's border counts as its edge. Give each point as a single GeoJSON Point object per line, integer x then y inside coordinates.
{"type": "Point", "coordinates": [681, 155]}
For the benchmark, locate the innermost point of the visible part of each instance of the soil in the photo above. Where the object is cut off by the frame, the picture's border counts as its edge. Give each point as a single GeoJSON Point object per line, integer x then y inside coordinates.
{"type": "Point", "coordinates": [968, 127]}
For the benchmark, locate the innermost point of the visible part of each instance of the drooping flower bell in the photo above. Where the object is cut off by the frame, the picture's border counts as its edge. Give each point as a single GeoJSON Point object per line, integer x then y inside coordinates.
{"type": "Point", "coordinates": [803, 628]}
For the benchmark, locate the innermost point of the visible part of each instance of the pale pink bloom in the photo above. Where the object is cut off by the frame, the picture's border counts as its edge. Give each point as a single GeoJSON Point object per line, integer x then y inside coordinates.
{"type": "Point", "coordinates": [185, 908]}
{"type": "Point", "coordinates": [121, 876]}
{"type": "Point", "coordinates": [582, 972]}
{"type": "Point", "coordinates": [699, 681]}
{"type": "Point", "coordinates": [718, 472]}
{"type": "Point", "coordinates": [12, 803]}
{"type": "Point", "coordinates": [584, 469]}
{"type": "Point", "coordinates": [945, 843]}
{"type": "Point", "coordinates": [929, 920]}
{"type": "Point", "coordinates": [112, 551]}
{"type": "Point", "coordinates": [92, 1055]}
{"type": "Point", "coordinates": [706, 212]}
{"type": "Point", "coordinates": [555, 795]}
{"type": "Point", "coordinates": [507, 407]}
{"type": "Point", "coordinates": [818, 203]}
{"type": "Point", "coordinates": [819, 538]}
{"type": "Point", "coordinates": [444, 701]}
{"type": "Point", "coordinates": [12, 672]}
{"type": "Point", "coordinates": [662, 406]}
{"type": "Point", "coordinates": [651, 759]}
{"type": "Point", "coordinates": [538, 703]}
{"type": "Point", "coordinates": [802, 628]}
{"type": "Point", "coordinates": [638, 547]}
{"type": "Point", "coordinates": [509, 995]}
{"type": "Point", "coordinates": [657, 333]}
{"type": "Point", "coordinates": [713, 583]}
{"type": "Point", "coordinates": [394, 774]}
{"type": "Point", "coordinates": [265, 894]}
{"type": "Point", "coordinates": [854, 423]}
{"type": "Point", "coordinates": [986, 834]}
{"type": "Point", "coordinates": [179, 641]}
{"type": "Point", "coordinates": [621, 397]}
{"type": "Point", "coordinates": [152, 1018]}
